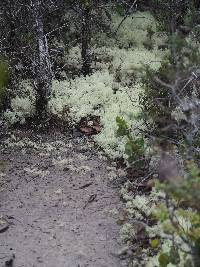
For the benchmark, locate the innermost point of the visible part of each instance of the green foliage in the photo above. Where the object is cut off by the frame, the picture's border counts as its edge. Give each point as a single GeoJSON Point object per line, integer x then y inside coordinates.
{"type": "Point", "coordinates": [170, 11]}
{"type": "Point", "coordinates": [158, 100]}
{"type": "Point", "coordinates": [135, 150]}
{"type": "Point", "coordinates": [164, 260]}
{"type": "Point", "coordinates": [123, 128]}
{"type": "Point", "coordinates": [135, 147]}
{"type": "Point", "coordinates": [177, 233]}
{"type": "Point", "coordinates": [155, 243]}
{"type": "Point", "coordinates": [4, 79]}
{"type": "Point", "coordinates": [119, 10]}
{"type": "Point", "coordinates": [192, 16]}
{"type": "Point", "coordinates": [165, 92]}
{"type": "Point", "coordinates": [4, 73]}
{"type": "Point", "coordinates": [149, 42]}
{"type": "Point", "coordinates": [28, 38]}
{"type": "Point", "coordinates": [172, 257]}
{"type": "Point", "coordinates": [180, 216]}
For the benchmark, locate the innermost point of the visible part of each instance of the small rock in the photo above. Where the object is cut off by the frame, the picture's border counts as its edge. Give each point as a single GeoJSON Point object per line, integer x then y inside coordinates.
{"type": "Point", "coordinates": [65, 204]}
{"type": "Point", "coordinates": [10, 261]}
{"type": "Point", "coordinates": [59, 191]}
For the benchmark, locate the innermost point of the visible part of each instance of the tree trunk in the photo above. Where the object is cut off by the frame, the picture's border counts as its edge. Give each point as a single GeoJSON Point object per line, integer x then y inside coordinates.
{"type": "Point", "coordinates": [86, 37]}
{"type": "Point", "coordinates": [43, 71]}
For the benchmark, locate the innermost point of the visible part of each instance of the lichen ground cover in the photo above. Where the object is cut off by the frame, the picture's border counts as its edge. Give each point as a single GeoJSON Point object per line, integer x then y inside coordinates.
{"type": "Point", "coordinates": [114, 87]}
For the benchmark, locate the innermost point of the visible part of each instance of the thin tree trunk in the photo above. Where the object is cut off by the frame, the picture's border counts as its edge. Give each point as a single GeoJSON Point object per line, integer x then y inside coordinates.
{"type": "Point", "coordinates": [44, 75]}
{"type": "Point", "coordinates": [86, 37]}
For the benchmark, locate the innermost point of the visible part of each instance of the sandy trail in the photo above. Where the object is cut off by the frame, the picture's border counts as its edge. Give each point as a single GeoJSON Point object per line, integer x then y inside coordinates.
{"type": "Point", "coordinates": [56, 196]}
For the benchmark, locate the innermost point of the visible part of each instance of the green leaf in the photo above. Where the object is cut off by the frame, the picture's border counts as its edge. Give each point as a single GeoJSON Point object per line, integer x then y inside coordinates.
{"type": "Point", "coordinates": [155, 243]}
{"type": "Point", "coordinates": [140, 142]}
{"type": "Point", "coordinates": [121, 132]}
{"type": "Point", "coordinates": [4, 79]}
{"type": "Point", "coordinates": [4, 73]}
{"type": "Point", "coordinates": [122, 127]}
{"type": "Point", "coordinates": [164, 259]}
{"type": "Point", "coordinates": [120, 10]}
{"type": "Point", "coordinates": [121, 121]}
{"type": "Point", "coordinates": [118, 119]}
{"type": "Point", "coordinates": [174, 256]}
{"type": "Point", "coordinates": [188, 263]}
{"type": "Point", "coordinates": [128, 149]}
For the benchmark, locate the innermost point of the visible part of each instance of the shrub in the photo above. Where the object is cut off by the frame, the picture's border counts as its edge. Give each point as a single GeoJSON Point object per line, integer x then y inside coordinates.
{"type": "Point", "coordinates": [171, 108]}
{"type": "Point", "coordinates": [135, 146]}
{"type": "Point", "coordinates": [179, 216]}
{"type": "Point", "coordinates": [23, 105]}
{"type": "Point", "coordinates": [4, 80]}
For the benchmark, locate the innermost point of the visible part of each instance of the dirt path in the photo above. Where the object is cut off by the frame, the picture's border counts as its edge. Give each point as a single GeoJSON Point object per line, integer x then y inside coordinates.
{"type": "Point", "coordinates": [56, 197]}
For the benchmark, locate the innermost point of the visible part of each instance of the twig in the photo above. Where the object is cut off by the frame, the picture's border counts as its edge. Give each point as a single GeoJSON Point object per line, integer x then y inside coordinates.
{"type": "Point", "coordinates": [126, 16]}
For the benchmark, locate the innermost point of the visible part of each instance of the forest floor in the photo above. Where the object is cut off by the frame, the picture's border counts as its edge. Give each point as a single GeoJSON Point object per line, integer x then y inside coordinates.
{"type": "Point", "coordinates": [59, 202]}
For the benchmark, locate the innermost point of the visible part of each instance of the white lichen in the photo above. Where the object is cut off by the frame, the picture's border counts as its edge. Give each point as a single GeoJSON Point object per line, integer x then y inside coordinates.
{"type": "Point", "coordinates": [23, 105]}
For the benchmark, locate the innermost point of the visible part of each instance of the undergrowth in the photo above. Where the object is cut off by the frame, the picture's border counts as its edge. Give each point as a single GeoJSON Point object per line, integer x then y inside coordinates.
{"type": "Point", "coordinates": [112, 90]}
{"type": "Point", "coordinates": [141, 121]}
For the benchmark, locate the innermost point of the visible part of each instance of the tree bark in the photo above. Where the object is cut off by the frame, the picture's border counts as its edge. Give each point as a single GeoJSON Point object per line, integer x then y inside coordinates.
{"type": "Point", "coordinates": [43, 70]}
{"type": "Point", "coordinates": [86, 38]}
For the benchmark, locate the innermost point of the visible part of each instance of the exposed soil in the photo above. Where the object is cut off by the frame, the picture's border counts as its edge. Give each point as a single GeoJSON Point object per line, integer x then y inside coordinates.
{"type": "Point", "coordinates": [56, 196]}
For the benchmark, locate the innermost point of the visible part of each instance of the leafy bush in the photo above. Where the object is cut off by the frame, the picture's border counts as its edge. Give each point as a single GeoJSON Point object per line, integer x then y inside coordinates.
{"type": "Point", "coordinates": [179, 216]}
{"type": "Point", "coordinates": [169, 12]}
{"type": "Point", "coordinates": [4, 79]}
{"type": "Point", "coordinates": [171, 108]}
{"type": "Point", "coordinates": [135, 146]}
